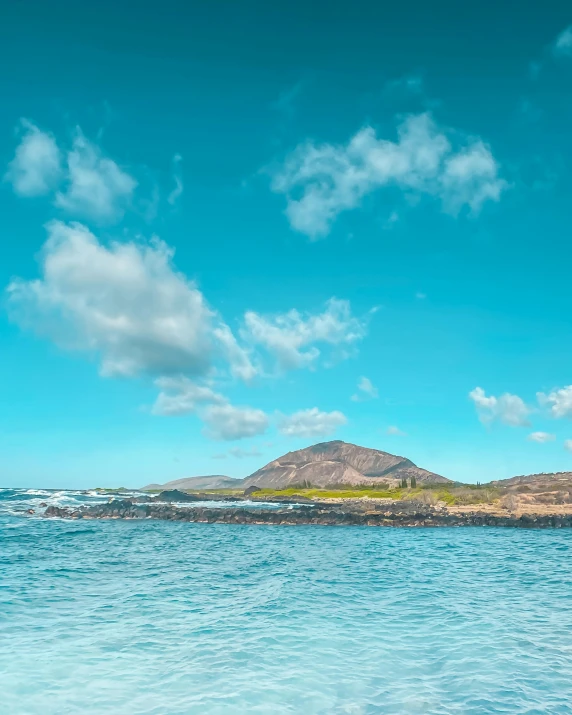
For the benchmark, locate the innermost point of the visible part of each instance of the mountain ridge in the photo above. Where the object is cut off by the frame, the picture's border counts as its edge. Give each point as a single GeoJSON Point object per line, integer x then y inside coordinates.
{"type": "Point", "coordinates": [210, 481]}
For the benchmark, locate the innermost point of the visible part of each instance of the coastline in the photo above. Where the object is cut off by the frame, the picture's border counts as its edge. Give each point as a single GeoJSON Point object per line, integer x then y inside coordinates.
{"type": "Point", "coordinates": [320, 513]}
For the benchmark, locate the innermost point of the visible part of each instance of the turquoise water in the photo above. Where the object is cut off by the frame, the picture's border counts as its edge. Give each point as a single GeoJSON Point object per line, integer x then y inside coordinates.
{"type": "Point", "coordinates": [160, 618]}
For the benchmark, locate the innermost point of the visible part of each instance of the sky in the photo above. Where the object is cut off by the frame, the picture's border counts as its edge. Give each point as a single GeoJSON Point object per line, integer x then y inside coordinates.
{"type": "Point", "coordinates": [232, 230]}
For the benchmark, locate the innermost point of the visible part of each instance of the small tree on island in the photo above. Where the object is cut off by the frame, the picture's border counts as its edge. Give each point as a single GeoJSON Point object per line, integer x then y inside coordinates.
{"type": "Point", "coordinates": [413, 483]}
{"type": "Point", "coordinates": [404, 483]}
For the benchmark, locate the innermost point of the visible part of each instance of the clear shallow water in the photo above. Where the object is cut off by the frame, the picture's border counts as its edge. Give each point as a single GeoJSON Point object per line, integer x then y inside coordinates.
{"type": "Point", "coordinates": [160, 618]}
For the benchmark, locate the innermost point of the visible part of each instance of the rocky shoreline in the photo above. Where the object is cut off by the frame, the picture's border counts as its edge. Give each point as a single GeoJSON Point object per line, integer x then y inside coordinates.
{"type": "Point", "coordinates": [397, 514]}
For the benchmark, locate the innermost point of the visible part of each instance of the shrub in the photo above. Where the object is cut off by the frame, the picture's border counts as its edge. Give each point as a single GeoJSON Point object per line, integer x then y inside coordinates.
{"type": "Point", "coordinates": [510, 502]}
{"type": "Point", "coordinates": [429, 498]}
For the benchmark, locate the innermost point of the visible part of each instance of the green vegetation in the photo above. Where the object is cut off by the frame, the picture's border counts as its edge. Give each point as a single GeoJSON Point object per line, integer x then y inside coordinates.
{"type": "Point", "coordinates": [111, 490]}
{"type": "Point", "coordinates": [315, 493]}
{"type": "Point", "coordinates": [450, 494]}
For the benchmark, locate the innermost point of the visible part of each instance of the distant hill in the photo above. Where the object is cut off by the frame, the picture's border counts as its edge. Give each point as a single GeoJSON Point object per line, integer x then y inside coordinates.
{"type": "Point", "coordinates": [330, 463]}
{"type": "Point", "coordinates": [213, 481]}
{"type": "Point", "coordinates": [536, 481]}
{"type": "Point", "coordinates": [545, 488]}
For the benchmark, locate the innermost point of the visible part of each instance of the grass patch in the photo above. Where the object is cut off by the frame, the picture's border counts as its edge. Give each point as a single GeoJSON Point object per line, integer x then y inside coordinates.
{"type": "Point", "coordinates": [315, 493]}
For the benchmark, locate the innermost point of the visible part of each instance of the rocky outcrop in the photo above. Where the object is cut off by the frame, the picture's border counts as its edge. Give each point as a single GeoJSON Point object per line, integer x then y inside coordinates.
{"type": "Point", "coordinates": [334, 463]}
{"type": "Point", "coordinates": [251, 490]}
{"type": "Point", "coordinates": [398, 514]}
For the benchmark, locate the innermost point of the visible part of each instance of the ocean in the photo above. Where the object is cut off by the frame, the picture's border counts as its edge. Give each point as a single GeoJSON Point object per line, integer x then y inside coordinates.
{"type": "Point", "coordinates": [165, 618]}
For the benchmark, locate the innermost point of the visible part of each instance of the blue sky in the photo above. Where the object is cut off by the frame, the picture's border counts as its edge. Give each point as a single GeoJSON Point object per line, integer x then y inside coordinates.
{"type": "Point", "coordinates": [231, 230]}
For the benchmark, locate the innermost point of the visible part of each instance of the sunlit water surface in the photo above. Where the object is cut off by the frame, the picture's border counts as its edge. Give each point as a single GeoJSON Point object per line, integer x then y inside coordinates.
{"type": "Point", "coordinates": [160, 618]}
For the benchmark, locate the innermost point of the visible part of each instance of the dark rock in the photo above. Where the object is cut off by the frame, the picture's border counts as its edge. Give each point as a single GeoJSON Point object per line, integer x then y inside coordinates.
{"type": "Point", "coordinates": [398, 514]}
{"type": "Point", "coordinates": [174, 495]}
{"type": "Point", "coordinates": [251, 490]}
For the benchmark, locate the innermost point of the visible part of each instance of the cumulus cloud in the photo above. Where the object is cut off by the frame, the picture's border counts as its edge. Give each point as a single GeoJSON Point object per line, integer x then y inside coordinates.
{"type": "Point", "coordinates": [322, 180]}
{"type": "Point", "coordinates": [227, 422]}
{"type": "Point", "coordinates": [124, 302]}
{"type": "Point", "coordinates": [90, 184]}
{"type": "Point", "coordinates": [178, 179]}
{"type": "Point", "coordinates": [96, 186]}
{"type": "Point", "coordinates": [311, 423]}
{"type": "Point", "coordinates": [541, 437]}
{"type": "Point", "coordinates": [366, 390]}
{"type": "Point", "coordinates": [395, 431]}
{"type": "Point", "coordinates": [562, 46]}
{"type": "Point", "coordinates": [181, 396]}
{"type": "Point", "coordinates": [558, 401]}
{"type": "Point", "coordinates": [127, 306]}
{"type": "Point", "coordinates": [509, 409]}
{"type": "Point", "coordinates": [36, 168]}
{"type": "Point", "coordinates": [568, 445]}
{"type": "Point", "coordinates": [291, 337]}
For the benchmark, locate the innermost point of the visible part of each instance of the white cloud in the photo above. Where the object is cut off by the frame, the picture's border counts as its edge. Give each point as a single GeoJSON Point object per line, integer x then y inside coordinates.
{"type": "Point", "coordinates": [240, 453]}
{"type": "Point", "coordinates": [509, 409]}
{"type": "Point", "coordinates": [311, 423]}
{"type": "Point", "coordinates": [223, 421]}
{"type": "Point", "coordinates": [420, 296]}
{"type": "Point", "coordinates": [562, 46]}
{"type": "Point", "coordinates": [396, 432]}
{"type": "Point", "coordinates": [291, 337]}
{"type": "Point", "coordinates": [96, 186]}
{"type": "Point", "coordinates": [123, 301]}
{"type": "Point", "coordinates": [366, 390]}
{"type": "Point", "coordinates": [541, 437]}
{"type": "Point", "coordinates": [568, 445]}
{"type": "Point", "coordinates": [226, 422]}
{"type": "Point", "coordinates": [559, 401]}
{"type": "Point", "coordinates": [321, 181]}
{"type": "Point", "coordinates": [125, 304]}
{"type": "Point", "coordinates": [36, 168]}
{"type": "Point", "coordinates": [181, 396]}
{"type": "Point", "coordinates": [178, 179]}
{"type": "Point", "coordinates": [238, 358]}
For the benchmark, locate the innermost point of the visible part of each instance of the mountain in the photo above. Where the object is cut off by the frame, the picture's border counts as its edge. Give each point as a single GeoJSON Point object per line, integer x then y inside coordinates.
{"type": "Point", "coordinates": [213, 481]}
{"type": "Point", "coordinates": [330, 463]}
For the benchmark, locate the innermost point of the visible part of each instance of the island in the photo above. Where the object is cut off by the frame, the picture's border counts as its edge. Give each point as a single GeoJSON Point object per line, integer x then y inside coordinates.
{"type": "Point", "coordinates": [340, 484]}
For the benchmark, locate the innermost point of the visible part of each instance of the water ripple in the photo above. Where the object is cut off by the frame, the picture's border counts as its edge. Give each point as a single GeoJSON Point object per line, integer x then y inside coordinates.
{"type": "Point", "coordinates": [161, 618]}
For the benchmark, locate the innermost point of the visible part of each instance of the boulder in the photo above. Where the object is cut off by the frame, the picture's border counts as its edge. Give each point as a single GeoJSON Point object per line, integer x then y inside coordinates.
{"type": "Point", "coordinates": [251, 490]}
